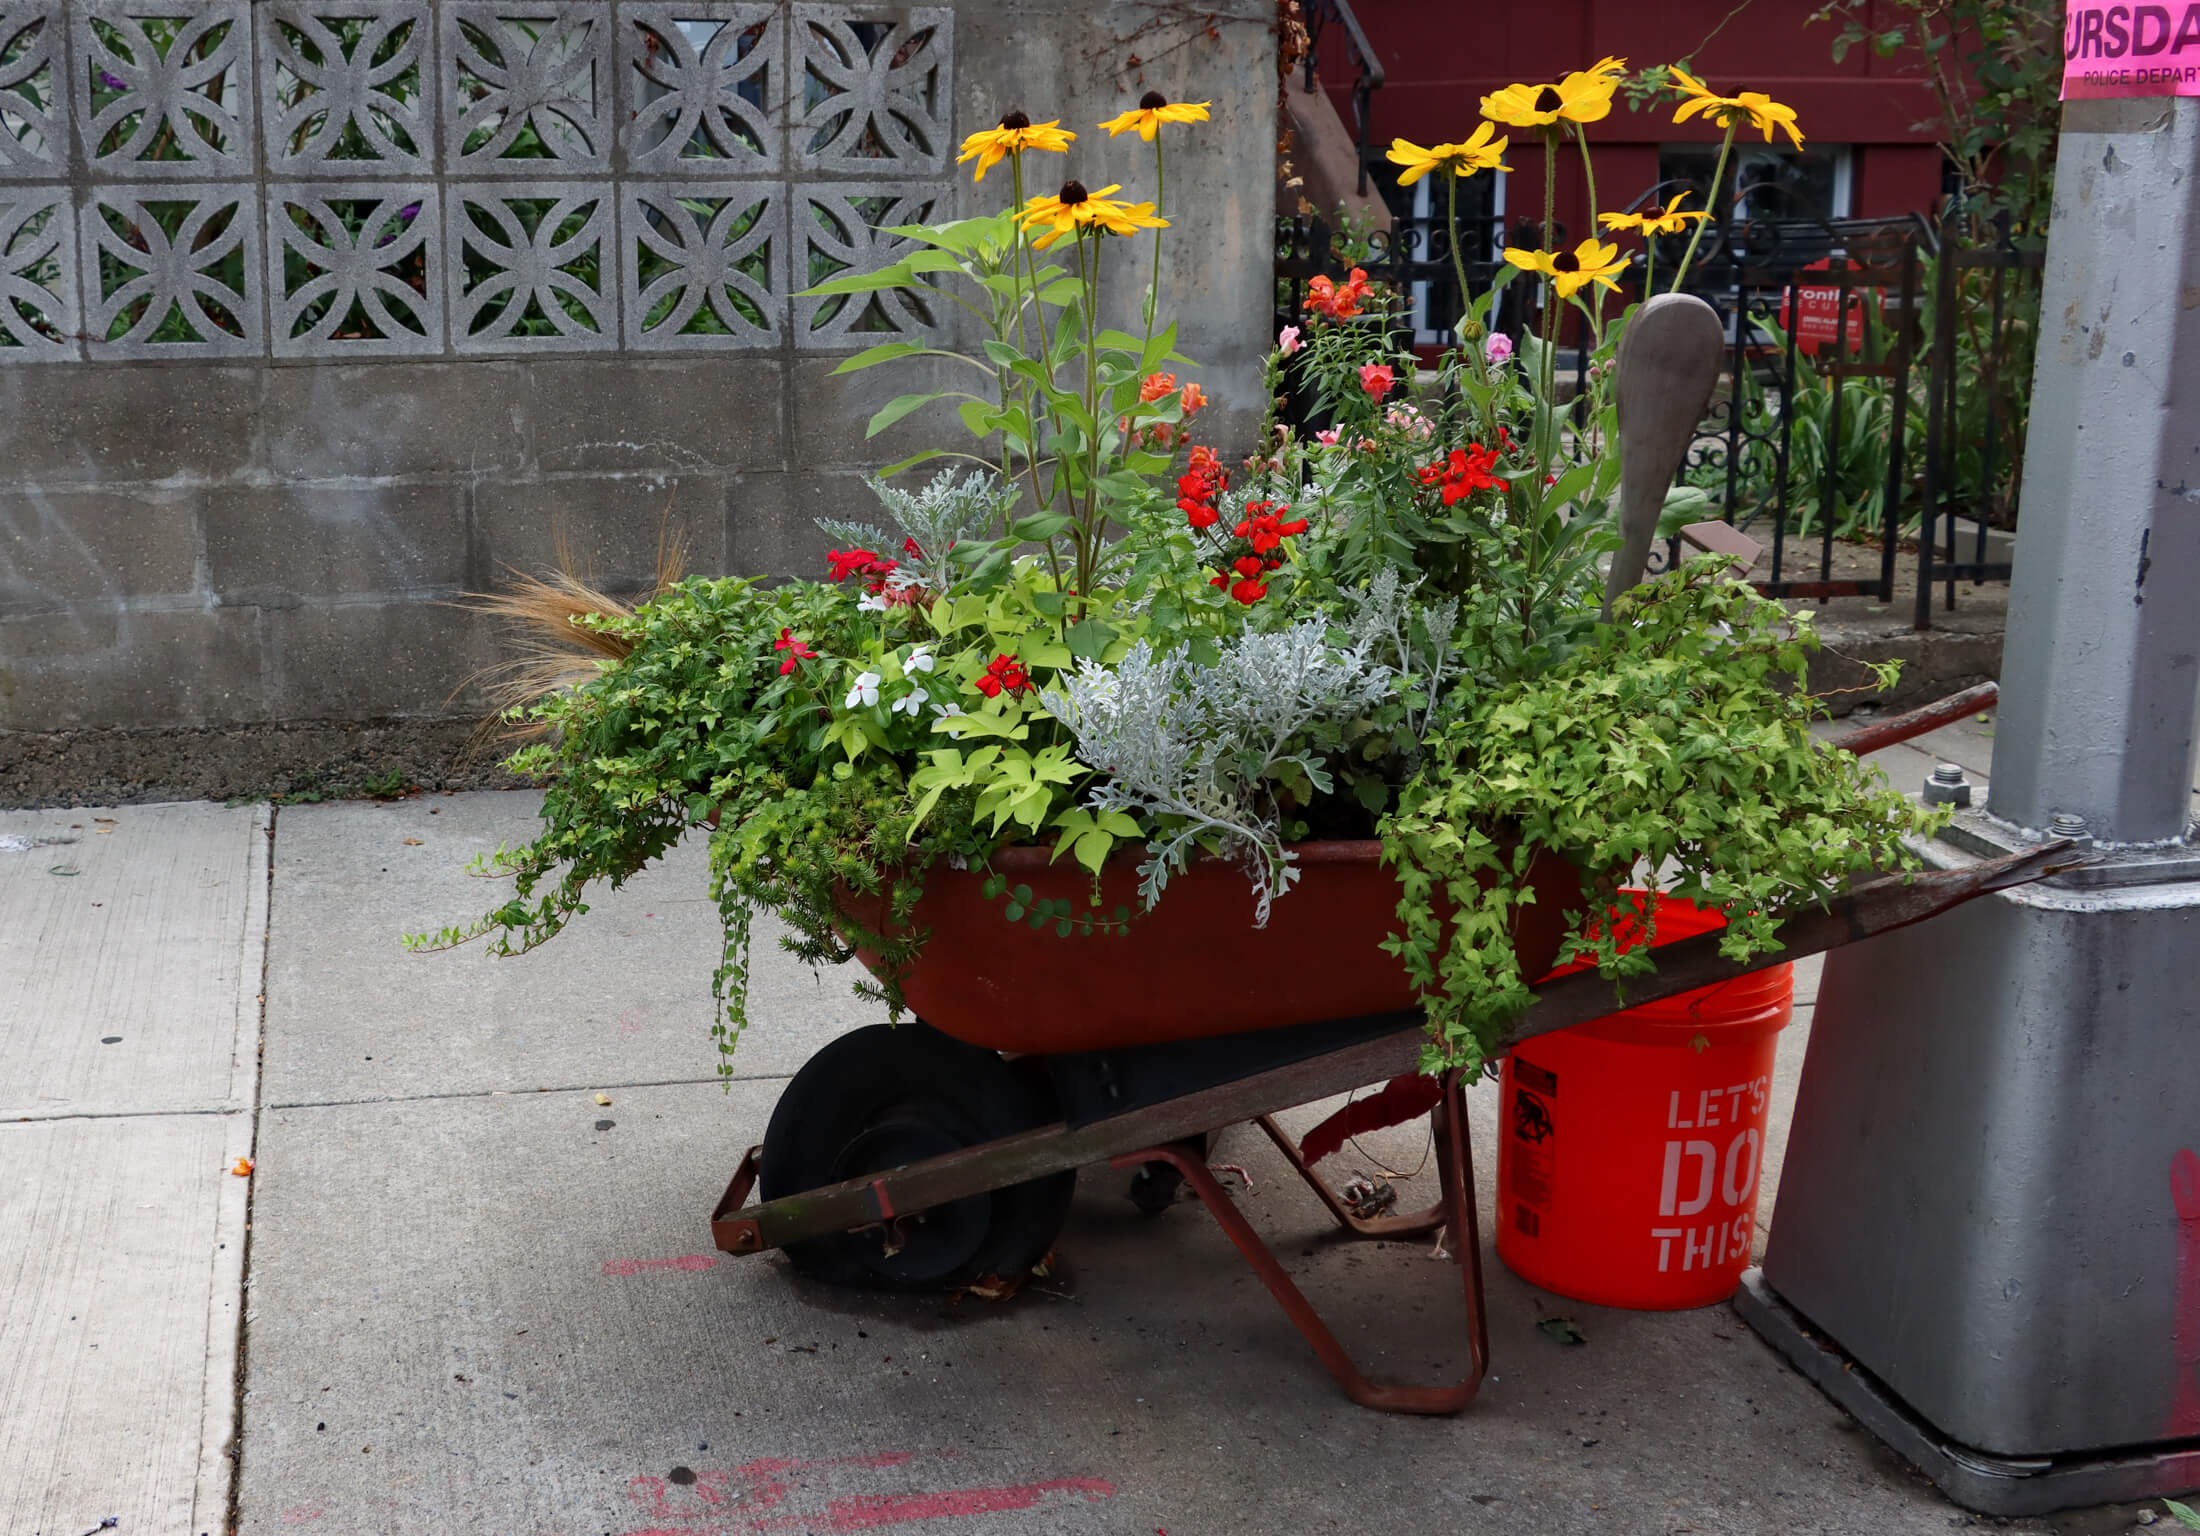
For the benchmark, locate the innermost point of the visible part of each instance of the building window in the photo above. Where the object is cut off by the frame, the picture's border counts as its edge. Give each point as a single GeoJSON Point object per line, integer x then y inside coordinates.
{"type": "Point", "coordinates": [1768, 182]}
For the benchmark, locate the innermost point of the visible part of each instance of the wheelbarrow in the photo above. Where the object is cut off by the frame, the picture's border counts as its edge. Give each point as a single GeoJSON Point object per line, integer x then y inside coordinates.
{"type": "Point", "coordinates": [907, 1158]}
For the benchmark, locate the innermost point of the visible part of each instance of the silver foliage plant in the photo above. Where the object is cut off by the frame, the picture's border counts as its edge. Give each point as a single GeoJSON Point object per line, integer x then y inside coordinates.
{"type": "Point", "coordinates": [1196, 749]}
{"type": "Point", "coordinates": [950, 509]}
{"type": "Point", "coordinates": [1414, 639]}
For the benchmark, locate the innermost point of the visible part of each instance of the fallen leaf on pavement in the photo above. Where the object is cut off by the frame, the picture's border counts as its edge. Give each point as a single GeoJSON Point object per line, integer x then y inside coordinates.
{"type": "Point", "coordinates": [242, 1168]}
{"type": "Point", "coordinates": [1563, 1329]}
{"type": "Point", "coordinates": [603, 1098]}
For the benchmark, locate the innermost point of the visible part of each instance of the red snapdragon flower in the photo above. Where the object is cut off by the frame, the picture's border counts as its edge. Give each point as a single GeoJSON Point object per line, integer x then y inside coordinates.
{"type": "Point", "coordinates": [1376, 379]}
{"type": "Point", "coordinates": [1197, 488]}
{"type": "Point", "coordinates": [1466, 471]}
{"type": "Point", "coordinates": [1264, 527]}
{"type": "Point", "coordinates": [1154, 386]}
{"type": "Point", "coordinates": [1003, 674]}
{"type": "Point", "coordinates": [798, 651]}
{"type": "Point", "coordinates": [1334, 302]}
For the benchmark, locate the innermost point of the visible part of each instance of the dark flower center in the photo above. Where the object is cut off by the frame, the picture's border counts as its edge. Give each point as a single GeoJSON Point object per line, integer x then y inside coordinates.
{"type": "Point", "coordinates": [1548, 100]}
{"type": "Point", "coordinates": [1073, 193]}
{"type": "Point", "coordinates": [1152, 101]}
{"type": "Point", "coordinates": [1015, 120]}
{"type": "Point", "coordinates": [1564, 262]}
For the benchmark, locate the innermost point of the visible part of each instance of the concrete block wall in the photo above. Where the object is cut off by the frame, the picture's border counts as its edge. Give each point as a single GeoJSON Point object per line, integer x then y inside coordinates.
{"type": "Point", "coordinates": [211, 539]}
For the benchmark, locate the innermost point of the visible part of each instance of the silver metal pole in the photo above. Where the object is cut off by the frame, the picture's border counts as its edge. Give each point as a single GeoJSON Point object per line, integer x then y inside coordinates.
{"type": "Point", "coordinates": [1987, 1244]}
{"type": "Point", "coordinates": [2102, 665]}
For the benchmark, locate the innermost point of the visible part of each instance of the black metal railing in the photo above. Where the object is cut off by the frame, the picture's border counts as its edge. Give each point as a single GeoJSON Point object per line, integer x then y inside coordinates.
{"type": "Point", "coordinates": [1333, 19]}
{"type": "Point", "coordinates": [1874, 389]}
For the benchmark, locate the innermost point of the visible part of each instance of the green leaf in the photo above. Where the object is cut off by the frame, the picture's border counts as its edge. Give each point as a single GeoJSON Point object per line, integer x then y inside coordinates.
{"type": "Point", "coordinates": [919, 457]}
{"type": "Point", "coordinates": [978, 417]}
{"type": "Point", "coordinates": [895, 276]}
{"type": "Point", "coordinates": [1089, 639]}
{"type": "Point", "coordinates": [897, 408]}
{"type": "Point", "coordinates": [884, 352]}
{"type": "Point", "coordinates": [1002, 354]}
{"type": "Point", "coordinates": [1039, 527]}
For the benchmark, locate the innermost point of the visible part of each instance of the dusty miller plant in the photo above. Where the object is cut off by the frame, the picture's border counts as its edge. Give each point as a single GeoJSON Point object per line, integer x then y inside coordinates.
{"type": "Point", "coordinates": [1200, 751]}
{"type": "Point", "coordinates": [950, 511]}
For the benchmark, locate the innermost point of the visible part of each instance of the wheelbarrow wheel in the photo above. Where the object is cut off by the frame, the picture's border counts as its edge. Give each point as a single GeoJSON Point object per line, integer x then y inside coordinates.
{"type": "Point", "coordinates": [887, 1095]}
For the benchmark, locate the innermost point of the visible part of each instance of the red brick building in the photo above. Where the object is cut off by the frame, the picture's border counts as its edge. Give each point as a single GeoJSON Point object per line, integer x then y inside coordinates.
{"type": "Point", "coordinates": [1864, 155]}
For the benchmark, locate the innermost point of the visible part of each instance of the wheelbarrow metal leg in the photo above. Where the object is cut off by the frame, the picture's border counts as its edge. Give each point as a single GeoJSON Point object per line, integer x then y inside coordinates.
{"type": "Point", "coordinates": [1455, 1168]}
{"type": "Point", "coordinates": [1414, 1224]}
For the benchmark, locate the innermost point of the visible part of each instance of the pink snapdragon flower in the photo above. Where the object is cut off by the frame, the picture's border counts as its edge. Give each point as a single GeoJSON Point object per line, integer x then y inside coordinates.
{"type": "Point", "coordinates": [1287, 340]}
{"type": "Point", "coordinates": [1498, 347]}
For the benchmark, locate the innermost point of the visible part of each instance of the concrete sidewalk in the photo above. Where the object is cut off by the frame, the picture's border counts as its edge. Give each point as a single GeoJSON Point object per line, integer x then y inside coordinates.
{"type": "Point", "coordinates": [483, 1300]}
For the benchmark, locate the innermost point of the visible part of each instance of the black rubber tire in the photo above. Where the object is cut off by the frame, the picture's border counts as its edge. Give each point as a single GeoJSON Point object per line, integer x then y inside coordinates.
{"type": "Point", "coordinates": [891, 1094]}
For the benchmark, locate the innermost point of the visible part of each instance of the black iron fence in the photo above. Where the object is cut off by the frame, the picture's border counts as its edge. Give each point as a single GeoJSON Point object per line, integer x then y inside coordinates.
{"type": "Point", "coordinates": [1873, 404]}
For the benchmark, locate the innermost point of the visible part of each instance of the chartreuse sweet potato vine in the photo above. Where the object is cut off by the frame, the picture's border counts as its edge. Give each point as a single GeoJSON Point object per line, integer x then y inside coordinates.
{"type": "Point", "coordinates": [1676, 740]}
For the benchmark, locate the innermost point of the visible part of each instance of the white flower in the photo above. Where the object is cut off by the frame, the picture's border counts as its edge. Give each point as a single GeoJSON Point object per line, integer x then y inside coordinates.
{"type": "Point", "coordinates": [865, 691]}
{"type": "Point", "coordinates": [911, 702]}
{"type": "Point", "coordinates": [920, 659]}
{"type": "Point", "coordinates": [875, 603]}
{"type": "Point", "coordinates": [947, 709]}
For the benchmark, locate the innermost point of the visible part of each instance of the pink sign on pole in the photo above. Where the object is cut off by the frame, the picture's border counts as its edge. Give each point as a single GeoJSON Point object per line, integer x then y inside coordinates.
{"type": "Point", "coordinates": [2130, 50]}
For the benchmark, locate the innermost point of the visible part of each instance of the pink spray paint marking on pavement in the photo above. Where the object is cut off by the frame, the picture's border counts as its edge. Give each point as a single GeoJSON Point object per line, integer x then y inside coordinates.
{"type": "Point", "coordinates": [2184, 1191]}
{"type": "Point", "coordinates": [687, 1261]}
{"type": "Point", "coordinates": [750, 1500]}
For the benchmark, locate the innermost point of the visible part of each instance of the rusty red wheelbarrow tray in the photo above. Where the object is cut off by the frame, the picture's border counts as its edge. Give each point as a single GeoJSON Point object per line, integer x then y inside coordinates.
{"type": "Point", "coordinates": [1384, 1048]}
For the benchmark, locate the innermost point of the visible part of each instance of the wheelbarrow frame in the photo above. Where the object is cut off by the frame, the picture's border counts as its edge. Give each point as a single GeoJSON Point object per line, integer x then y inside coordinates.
{"type": "Point", "coordinates": [1382, 1048]}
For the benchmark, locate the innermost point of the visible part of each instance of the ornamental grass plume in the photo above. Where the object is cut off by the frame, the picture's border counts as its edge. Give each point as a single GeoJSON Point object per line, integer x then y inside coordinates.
{"type": "Point", "coordinates": [556, 624]}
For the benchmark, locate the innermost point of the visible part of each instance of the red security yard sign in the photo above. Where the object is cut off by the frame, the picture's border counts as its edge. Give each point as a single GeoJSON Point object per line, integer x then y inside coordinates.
{"type": "Point", "coordinates": [1813, 313]}
{"type": "Point", "coordinates": [2130, 50]}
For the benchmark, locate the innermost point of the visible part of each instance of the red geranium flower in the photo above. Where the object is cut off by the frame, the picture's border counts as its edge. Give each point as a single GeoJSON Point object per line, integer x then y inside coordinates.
{"type": "Point", "coordinates": [1466, 471]}
{"type": "Point", "coordinates": [798, 651]}
{"type": "Point", "coordinates": [844, 563]}
{"type": "Point", "coordinates": [1249, 591]}
{"type": "Point", "coordinates": [1003, 674]}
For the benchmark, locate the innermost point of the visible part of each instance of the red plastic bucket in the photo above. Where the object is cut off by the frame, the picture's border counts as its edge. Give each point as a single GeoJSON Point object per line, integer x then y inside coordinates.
{"type": "Point", "coordinates": [1631, 1146]}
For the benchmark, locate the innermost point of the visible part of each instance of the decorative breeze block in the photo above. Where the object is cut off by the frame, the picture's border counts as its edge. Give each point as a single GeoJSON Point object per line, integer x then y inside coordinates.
{"type": "Point", "coordinates": [527, 88]}
{"type": "Point", "coordinates": [842, 229]}
{"type": "Point", "coordinates": [164, 87]}
{"type": "Point", "coordinates": [38, 316]}
{"type": "Point", "coordinates": [346, 86]}
{"type": "Point", "coordinates": [706, 87]}
{"type": "Point", "coordinates": [352, 269]}
{"type": "Point", "coordinates": [704, 264]}
{"type": "Point", "coordinates": [34, 129]}
{"type": "Point", "coordinates": [532, 269]}
{"type": "Point", "coordinates": [171, 271]}
{"type": "Point", "coordinates": [873, 88]}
